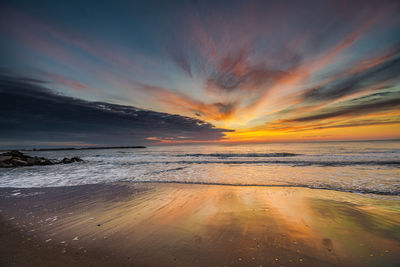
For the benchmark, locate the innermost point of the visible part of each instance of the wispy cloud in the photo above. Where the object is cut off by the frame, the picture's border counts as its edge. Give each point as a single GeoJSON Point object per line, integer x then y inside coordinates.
{"type": "Point", "coordinates": [367, 76]}
{"type": "Point", "coordinates": [244, 65]}
{"type": "Point", "coordinates": [356, 107]}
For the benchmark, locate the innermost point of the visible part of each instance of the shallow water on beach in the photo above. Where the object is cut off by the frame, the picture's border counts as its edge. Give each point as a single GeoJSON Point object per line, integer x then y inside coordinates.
{"type": "Point", "coordinates": [364, 167]}
{"type": "Point", "coordinates": [200, 225]}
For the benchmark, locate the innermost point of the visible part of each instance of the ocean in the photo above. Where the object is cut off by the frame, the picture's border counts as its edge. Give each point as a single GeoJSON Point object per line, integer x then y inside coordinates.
{"type": "Point", "coordinates": [360, 167]}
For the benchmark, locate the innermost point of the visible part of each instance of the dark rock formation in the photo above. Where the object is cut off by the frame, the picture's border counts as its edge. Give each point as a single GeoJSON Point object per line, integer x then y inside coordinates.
{"type": "Point", "coordinates": [15, 158]}
{"type": "Point", "coordinates": [71, 160]}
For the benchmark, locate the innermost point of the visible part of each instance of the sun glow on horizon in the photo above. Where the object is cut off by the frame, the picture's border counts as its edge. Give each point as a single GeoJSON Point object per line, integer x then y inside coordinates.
{"type": "Point", "coordinates": [206, 72]}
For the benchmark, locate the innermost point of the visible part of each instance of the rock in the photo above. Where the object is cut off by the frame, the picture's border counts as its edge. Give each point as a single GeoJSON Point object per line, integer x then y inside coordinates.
{"type": "Point", "coordinates": [76, 159]}
{"type": "Point", "coordinates": [66, 160]}
{"type": "Point", "coordinates": [32, 161]}
{"type": "Point", "coordinates": [18, 162]}
{"type": "Point", "coordinates": [16, 159]}
{"type": "Point", "coordinates": [5, 165]}
{"type": "Point", "coordinates": [5, 158]}
{"type": "Point", "coordinates": [71, 160]}
{"type": "Point", "coordinates": [45, 162]}
{"type": "Point", "coordinates": [14, 153]}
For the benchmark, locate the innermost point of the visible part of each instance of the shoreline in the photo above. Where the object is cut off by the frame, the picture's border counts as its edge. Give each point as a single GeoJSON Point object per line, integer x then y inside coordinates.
{"type": "Point", "coordinates": [152, 224]}
{"type": "Point", "coordinates": [363, 192]}
{"type": "Point", "coordinates": [366, 193]}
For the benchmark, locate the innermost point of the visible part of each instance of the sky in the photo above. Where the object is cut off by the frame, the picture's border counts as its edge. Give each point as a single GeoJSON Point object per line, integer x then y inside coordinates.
{"type": "Point", "coordinates": [139, 72]}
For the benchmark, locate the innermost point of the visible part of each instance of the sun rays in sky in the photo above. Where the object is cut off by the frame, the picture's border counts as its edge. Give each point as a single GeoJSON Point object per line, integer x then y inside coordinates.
{"type": "Point", "coordinates": [265, 70]}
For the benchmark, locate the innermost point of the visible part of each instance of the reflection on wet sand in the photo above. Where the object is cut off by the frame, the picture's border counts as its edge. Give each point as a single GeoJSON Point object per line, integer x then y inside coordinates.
{"type": "Point", "coordinates": [177, 224]}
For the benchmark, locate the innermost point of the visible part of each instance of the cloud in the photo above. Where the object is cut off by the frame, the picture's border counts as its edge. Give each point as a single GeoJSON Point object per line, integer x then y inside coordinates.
{"type": "Point", "coordinates": [181, 60]}
{"type": "Point", "coordinates": [378, 102]}
{"type": "Point", "coordinates": [68, 82]}
{"type": "Point", "coordinates": [357, 123]}
{"type": "Point", "coordinates": [185, 104]}
{"type": "Point", "coordinates": [367, 75]}
{"type": "Point", "coordinates": [58, 42]}
{"type": "Point", "coordinates": [30, 111]}
{"type": "Point", "coordinates": [234, 64]}
{"type": "Point", "coordinates": [235, 72]}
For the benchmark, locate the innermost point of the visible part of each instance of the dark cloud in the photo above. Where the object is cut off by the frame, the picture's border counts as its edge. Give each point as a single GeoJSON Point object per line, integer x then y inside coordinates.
{"type": "Point", "coordinates": [377, 102]}
{"type": "Point", "coordinates": [351, 83]}
{"type": "Point", "coordinates": [29, 111]}
{"type": "Point", "coordinates": [226, 108]}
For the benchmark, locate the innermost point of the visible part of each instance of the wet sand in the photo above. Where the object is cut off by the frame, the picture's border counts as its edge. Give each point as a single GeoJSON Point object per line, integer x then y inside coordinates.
{"type": "Point", "coordinates": [196, 225]}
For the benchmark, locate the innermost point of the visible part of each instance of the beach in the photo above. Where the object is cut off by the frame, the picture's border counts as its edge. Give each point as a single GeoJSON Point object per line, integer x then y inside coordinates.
{"type": "Point", "coordinates": [200, 133]}
{"type": "Point", "coordinates": [169, 224]}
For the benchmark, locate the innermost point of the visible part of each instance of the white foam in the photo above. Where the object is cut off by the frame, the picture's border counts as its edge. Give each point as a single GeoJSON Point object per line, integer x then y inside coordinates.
{"type": "Point", "coordinates": [182, 164]}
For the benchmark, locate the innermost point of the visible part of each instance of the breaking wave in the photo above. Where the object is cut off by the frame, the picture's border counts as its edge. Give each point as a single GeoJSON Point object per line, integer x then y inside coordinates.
{"type": "Point", "coordinates": [285, 162]}
{"type": "Point", "coordinates": [244, 155]}
{"type": "Point", "coordinates": [368, 167]}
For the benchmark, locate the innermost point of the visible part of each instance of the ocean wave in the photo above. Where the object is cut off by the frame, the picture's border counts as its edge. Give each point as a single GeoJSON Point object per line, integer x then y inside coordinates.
{"type": "Point", "coordinates": [284, 162]}
{"type": "Point", "coordinates": [245, 155]}
{"type": "Point", "coordinates": [168, 170]}
{"type": "Point", "coordinates": [321, 186]}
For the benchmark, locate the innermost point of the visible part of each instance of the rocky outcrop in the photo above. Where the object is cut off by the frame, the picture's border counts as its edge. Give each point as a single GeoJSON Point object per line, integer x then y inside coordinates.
{"type": "Point", "coordinates": [15, 158]}
{"type": "Point", "coordinates": [71, 160]}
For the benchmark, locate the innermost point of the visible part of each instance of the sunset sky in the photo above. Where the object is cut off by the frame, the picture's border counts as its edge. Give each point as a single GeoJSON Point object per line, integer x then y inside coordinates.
{"type": "Point", "coordinates": [129, 72]}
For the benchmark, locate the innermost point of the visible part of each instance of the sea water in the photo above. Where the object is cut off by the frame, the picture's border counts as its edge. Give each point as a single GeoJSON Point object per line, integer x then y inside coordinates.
{"type": "Point", "coordinates": [363, 167]}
